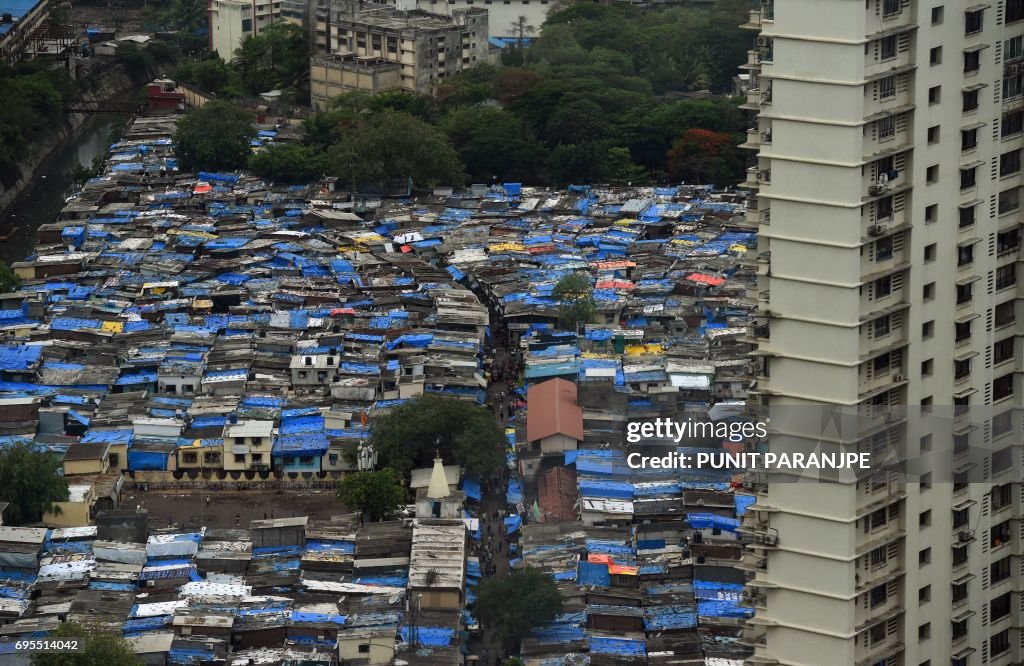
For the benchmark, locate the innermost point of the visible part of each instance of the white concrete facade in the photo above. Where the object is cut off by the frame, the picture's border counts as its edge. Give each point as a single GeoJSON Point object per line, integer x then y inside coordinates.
{"type": "Point", "coordinates": [876, 292]}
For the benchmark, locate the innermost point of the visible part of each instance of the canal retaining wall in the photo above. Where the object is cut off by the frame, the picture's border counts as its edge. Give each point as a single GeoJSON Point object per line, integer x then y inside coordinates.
{"type": "Point", "coordinates": [108, 83]}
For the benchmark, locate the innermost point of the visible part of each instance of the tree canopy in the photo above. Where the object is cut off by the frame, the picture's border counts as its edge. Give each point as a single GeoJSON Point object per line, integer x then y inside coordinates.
{"type": "Point", "coordinates": [215, 136]}
{"type": "Point", "coordinates": [101, 649]}
{"type": "Point", "coordinates": [34, 95]}
{"type": "Point", "coordinates": [30, 483]}
{"type": "Point", "coordinates": [575, 299]}
{"type": "Point", "coordinates": [605, 94]}
{"type": "Point", "coordinates": [407, 436]}
{"type": "Point", "coordinates": [378, 494]}
{"type": "Point", "coordinates": [515, 604]}
{"type": "Point", "coordinates": [8, 280]}
{"type": "Point", "coordinates": [275, 59]}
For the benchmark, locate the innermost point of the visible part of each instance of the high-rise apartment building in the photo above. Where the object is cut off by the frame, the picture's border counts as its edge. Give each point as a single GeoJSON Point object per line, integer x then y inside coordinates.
{"type": "Point", "coordinates": [886, 194]}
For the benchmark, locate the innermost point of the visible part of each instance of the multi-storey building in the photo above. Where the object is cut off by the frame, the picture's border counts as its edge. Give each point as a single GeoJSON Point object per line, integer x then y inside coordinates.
{"type": "Point", "coordinates": [231, 21]}
{"type": "Point", "coordinates": [888, 142]}
{"type": "Point", "coordinates": [18, 20]}
{"type": "Point", "coordinates": [367, 41]}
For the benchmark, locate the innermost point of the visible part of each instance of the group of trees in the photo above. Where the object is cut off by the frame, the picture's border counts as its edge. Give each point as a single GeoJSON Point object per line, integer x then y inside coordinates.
{"type": "Point", "coordinates": [275, 59]}
{"type": "Point", "coordinates": [602, 95]}
{"type": "Point", "coordinates": [34, 96]}
{"type": "Point", "coordinates": [29, 483]}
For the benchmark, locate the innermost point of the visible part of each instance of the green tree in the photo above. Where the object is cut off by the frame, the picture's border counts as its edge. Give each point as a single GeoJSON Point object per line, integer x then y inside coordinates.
{"type": "Point", "coordinates": [8, 280]}
{"type": "Point", "coordinates": [493, 143]}
{"type": "Point", "coordinates": [378, 494]}
{"type": "Point", "coordinates": [210, 74]}
{"type": "Point", "coordinates": [575, 299]}
{"type": "Point", "coordinates": [136, 58]}
{"type": "Point", "coordinates": [30, 483]}
{"type": "Point", "coordinates": [101, 648]}
{"type": "Point", "coordinates": [620, 168]}
{"type": "Point", "coordinates": [391, 146]}
{"type": "Point", "coordinates": [289, 163]}
{"type": "Point", "coordinates": [276, 59]}
{"type": "Point", "coordinates": [189, 15]}
{"type": "Point", "coordinates": [515, 604]}
{"type": "Point", "coordinates": [215, 136]}
{"type": "Point", "coordinates": [408, 436]}
{"type": "Point", "coordinates": [703, 156]}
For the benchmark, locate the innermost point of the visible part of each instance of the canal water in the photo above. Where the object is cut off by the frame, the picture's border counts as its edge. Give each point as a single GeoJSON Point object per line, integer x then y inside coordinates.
{"type": "Point", "coordinates": [51, 184]}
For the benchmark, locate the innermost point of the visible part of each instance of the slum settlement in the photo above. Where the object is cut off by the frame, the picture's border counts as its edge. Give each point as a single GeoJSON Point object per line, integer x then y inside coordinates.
{"type": "Point", "coordinates": [210, 332]}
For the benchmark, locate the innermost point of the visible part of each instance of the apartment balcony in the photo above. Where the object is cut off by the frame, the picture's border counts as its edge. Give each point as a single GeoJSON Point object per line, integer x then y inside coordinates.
{"type": "Point", "coordinates": [753, 638]}
{"type": "Point", "coordinates": [881, 381]}
{"type": "Point", "coordinates": [754, 562]}
{"type": "Point", "coordinates": [869, 502]}
{"type": "Point", "coordinates": [754, 20]}
{"type": "Point", "coordinates": [756, 139]}
{"type": "Point", "coordinates": [758, 57]}
{"type": "Point", "coordinates": [879, 536]}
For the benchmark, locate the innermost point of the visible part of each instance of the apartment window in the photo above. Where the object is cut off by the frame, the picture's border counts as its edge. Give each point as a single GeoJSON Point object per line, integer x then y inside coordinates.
{"type": "Point", "coordinates": [257, 457]}
{"type": "Point", "coordinates": [999, 607]}
{"type": "Point", "coordinates": [1002, 351]}
{"type": "Point", "coordinates": [1012, 123]}
{"type": "Point", "coordinates": [926, 367]}
{"type": "Point", "coordinates": [935, 55]}
{"type": "Point", "coordinates": [973, 21]}
{"type": "Point", "coordinates": [1005, 314]}
{"type": "Point", "coordinates": [935, 94]}
{"type": "Point", "coordinates": [968, 178]}
{"type": "Point", "coordinates": [883, 287]}
{"type": "Point", "coordinates": [1014, 10]}
{"type": "Point", "coordinates": [960, 443]}
{"type": "Point", "coordinates": [999, 535]}
{"type": "Point", "coordinates": [887, 87]}
{"type": "Point", "coordinates": [1002, 496]}
{"type": "Point", "coordinates": [970, 100]}
{"type": "Point", "coordinates": [964, 293]}
{"type": "Point", "coordinates": [876, 634]}
{"type": "Point", "coordinates": [926, 442]}
{"type": "Point", "coordinates": [931, 174]}
{"type": "Point", "coordinates": [883, 246]}
{"type": "Point", "coordinates": [928, 291]}
{"type": "Point", "coordinates": [924, 519]}
{"type": "Point", "coordinates": [1000, 570]}
{"type": "Point", "coordinates": [878, 595]}
{"type": "Point", "coordinates": [937, 15]}
{"type": "Point", "coordinates": [1008, 241]}
{"type": "Point", "coordinates": [882, 326]}
{"type": "Point", "coordinates": [929, 252]}
{"type": "Point", "coordinates": [924, 556]}
{"type": "Point", "coordinates": [933, 134]}
{"type": "Point", "coordinates": [188, 458]}
{"type": "Point", "coordinates": [1009, 163]}
{"type": "Point", "coordinates": [886, 127]}
{"type": "Point", "coordinates": [924, 594]}
{"type": "Point", "coordinates": [961, 369]}
{"type": "Point", "coordinates": [878, 519]}
{"type": "Point", "coordinates": [999, 643]}
{"type": "Point", "coordinates": [967, 216]}
{"type": "Point", "coordinates": [1013, 48]}
{"type": "Point", "coordinates": [968, 139]}
{"type": "Point", "coordinates": [890, 7]}
{"type": "Point", "coordinates": [924, 632]}
{"type": "Point", "coordinates": [1006, 276]}
{"type": "Point", "coordinates": [1013, 86]}
{"type": "Point", "coordinates": [928, 329]}
{"type": "Point", "coordinates": [239, 457]}
{"type": "Point", "coordinates": [959, 592]}
{"type": "Point", "coordinates": [960, 554]}
{"type": "Point", "coordinates": [878, 556]}
{"type": "Point", "coordinates": [972, 62]}
{"type": "Point", "coordinates": [925, 482]}
{"type": "Point", "coordinates": [888, 47]}
{"type": "Point", "coordinates": [247, 25]}
{"type": "Point", "coordinates": [961, 518]}
{"type": "Point", "coordinates": [964, 255]}
{"type": "Point", "coordinates": [883, 211]}
{"type": "Point", "coordinates": [959, 630]}
{"type": "Point", "coordinates": [1009, 200]}
{"type": "Point", "coordinates": [931, 212]}
{"type": "Point", "coordinates": [882, 364]}
{"type": "Point", "coordinates": [962, 331]}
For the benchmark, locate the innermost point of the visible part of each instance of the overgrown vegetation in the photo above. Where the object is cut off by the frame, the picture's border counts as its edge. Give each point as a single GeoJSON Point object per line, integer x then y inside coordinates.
{"type": "Point", "coordinates": [29, 482]}
{"type": "Point", "coordinates": [378, 494]}
{"type": "Point", "coordinates": [34, 97]}
{"type": "Point", "coordinates": [216, 136]}
{"type": "Point", "coordinates": [575, 296]}
{"type": "Point", "coordinates": [515, 604]}
{"type": "Point", "coordinates": [410, 435]}
{"type": "Point", "coordinates": [276, 59]}
{"type": "Point", "coordinates": [605, 94]}
{"type": "Point", "coordinates": [101, 648]}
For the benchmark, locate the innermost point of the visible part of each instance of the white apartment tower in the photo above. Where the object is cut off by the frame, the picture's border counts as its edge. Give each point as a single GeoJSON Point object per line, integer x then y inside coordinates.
{"type": "Point", "coordinates": [887, 183]}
